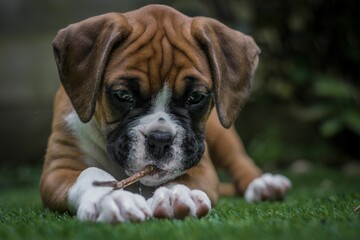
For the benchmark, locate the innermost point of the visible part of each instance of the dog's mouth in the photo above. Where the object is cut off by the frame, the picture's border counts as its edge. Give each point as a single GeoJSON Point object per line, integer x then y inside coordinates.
{"type": "Point", "coordinates": [158, 177]}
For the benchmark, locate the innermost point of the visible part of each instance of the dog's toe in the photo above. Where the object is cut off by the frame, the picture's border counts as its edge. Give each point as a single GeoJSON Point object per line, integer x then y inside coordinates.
{"type": "Point", "coordinates": [121, 206]}
{"type": "Point", "coordinates": [109, 211]}
{"type": "Point", "coordinates": [160, 203]}
{"type": "Point", "coordinates": [87, 212]}
{"type": "Point", "coordinates": [202, 203]}
{"type": "Point", "coordinates": [178, 202]}
{"type": "Point", "coordinates": [267, 187]}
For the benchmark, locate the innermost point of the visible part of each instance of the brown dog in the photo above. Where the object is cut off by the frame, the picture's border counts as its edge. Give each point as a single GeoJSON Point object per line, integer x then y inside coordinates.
{"type": "Point", "coordinates": [138, 89]}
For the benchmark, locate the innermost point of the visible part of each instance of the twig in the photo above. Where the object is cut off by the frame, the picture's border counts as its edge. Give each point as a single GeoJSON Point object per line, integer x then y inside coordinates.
{"type": "Point", "coordinates": [148, 170]}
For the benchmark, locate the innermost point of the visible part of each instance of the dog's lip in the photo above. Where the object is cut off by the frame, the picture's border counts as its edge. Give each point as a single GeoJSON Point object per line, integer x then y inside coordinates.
{"type": "Point", "coordinates": [160, 177]}
{"type": "Point", "coordinates": [157, 171]}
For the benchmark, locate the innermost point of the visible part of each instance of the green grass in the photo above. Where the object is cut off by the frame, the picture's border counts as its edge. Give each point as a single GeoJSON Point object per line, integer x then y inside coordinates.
{"type": "Point", "coordinates": [320, 206]}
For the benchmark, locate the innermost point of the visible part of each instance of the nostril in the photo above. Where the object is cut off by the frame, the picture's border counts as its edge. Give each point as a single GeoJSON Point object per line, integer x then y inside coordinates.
{"type": "Point", "coordinates": [159, 137]}
{"type": "Point", "coordinates": [151, 144]}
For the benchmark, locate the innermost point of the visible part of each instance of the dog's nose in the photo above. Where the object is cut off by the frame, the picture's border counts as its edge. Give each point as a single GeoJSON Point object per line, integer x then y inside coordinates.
{"type": "Point", "coordinates": [159, 142]}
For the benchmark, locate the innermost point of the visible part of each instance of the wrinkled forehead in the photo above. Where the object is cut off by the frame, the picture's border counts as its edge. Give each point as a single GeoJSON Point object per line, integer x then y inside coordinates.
{"type": "Point", "coordinates": [158, 54]}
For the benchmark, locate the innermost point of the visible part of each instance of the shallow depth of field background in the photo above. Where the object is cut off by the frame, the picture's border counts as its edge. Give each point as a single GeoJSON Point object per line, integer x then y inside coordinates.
{"type": "Point", "coordinates": [305, 103]}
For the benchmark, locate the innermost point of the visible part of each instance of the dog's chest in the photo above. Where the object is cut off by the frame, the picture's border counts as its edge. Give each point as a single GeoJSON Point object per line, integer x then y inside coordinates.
{"type": "Point", "coordinates": [93, 145]}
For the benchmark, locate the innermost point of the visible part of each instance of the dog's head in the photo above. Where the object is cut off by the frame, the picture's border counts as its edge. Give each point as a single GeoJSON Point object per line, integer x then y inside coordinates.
{"type": "Point", "coordinates": [149, 79]}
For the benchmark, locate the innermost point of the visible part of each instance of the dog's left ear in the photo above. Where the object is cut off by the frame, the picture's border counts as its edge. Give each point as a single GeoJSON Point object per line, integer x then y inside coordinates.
{"type": "Point", "coordinates": [233, 58]}
{"type": "Point", "coordinates": [81, 52]}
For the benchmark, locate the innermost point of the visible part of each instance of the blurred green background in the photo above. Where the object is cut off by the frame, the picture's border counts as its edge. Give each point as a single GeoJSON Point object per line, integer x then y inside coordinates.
{"type": "Point", "coordinates": [305, 103]}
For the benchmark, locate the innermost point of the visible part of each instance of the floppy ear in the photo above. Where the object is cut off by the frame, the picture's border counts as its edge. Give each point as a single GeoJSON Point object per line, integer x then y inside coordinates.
{"type": "Point", "coordinates": [81, 52]}
{"type": "Point", "coordinates": [233, 58]}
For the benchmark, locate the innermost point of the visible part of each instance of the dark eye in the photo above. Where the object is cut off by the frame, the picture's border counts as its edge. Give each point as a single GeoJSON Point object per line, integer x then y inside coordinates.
{"type": "Point", "coordinates": [195, 98]}
{"type": "Point", "coordinates": [123, 96]}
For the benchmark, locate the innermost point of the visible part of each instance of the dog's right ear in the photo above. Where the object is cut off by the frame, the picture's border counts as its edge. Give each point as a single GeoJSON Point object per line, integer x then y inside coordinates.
{"type": "Point", "coordinates": [81, 52]}
{"type": "Point", "coordinates": [233, 58]}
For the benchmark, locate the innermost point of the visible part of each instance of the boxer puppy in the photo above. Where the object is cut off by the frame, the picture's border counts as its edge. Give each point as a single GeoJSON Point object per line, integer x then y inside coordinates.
{"type": "Point", "coordinates": [139, 89]}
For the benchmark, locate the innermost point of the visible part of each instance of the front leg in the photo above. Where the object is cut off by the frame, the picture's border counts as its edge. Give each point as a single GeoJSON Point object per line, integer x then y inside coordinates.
{"type": "Point", "coordinates": [227, 151]}
{"type": "Point", "coordinates": [103, 204]}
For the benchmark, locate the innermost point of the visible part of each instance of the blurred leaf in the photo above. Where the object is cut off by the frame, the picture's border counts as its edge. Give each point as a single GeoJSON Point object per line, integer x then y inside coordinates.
{"type": "Point", "coordinates": [299, 73]}
{"type": "Point", "coordinates": [313, 113]}
{"type": "Point", "coordinates": [281, 89]}
{"type": "Point", "coordinates": [331, 127]}
{"type": "Point", "coordinates": [326, 86]}
{"type": "Point", "coordinates": [352, 121]}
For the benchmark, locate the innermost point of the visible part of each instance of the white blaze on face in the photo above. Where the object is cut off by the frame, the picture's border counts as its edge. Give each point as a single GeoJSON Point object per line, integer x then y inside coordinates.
{"type": "Point", "coordinates": [158, 119]}
{"type": "Point", "coordinates": [162, 100]}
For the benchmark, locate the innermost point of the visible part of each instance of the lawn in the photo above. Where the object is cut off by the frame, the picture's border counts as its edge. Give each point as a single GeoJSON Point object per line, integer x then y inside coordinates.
{"type": "Point", "coordinates": [320, 206]}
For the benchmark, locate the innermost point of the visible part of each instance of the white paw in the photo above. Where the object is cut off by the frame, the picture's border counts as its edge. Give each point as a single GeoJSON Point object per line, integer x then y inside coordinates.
{"type": "Point", "coordinates": [93, 203]}
{"type": "Point", "coordinates": [117, 206]}
{"type": "Point", "coordinates": [178, 201]}
{"type": "Point", "coordinates": [267, 187]}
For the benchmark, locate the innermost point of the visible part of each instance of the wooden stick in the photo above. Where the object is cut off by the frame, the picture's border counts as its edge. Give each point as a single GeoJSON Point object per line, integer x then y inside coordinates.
{"type": "Point", "coordinates": [148, 170]}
